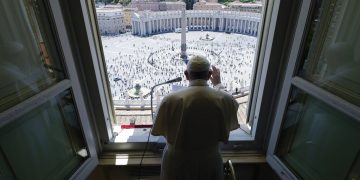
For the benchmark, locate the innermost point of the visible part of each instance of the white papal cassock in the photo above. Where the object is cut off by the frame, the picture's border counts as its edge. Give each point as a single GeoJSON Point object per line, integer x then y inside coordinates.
{"type": "Point", "coordinates": [194, 120]}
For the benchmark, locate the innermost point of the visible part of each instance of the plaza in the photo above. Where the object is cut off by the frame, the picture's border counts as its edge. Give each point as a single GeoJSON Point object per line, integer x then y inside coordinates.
{"type": "Point", "coordinates": [155, 59]}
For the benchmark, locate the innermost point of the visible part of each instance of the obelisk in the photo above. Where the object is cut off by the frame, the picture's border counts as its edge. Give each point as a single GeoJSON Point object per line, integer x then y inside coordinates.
{"type": "Point", "coordinates": [183, 55]}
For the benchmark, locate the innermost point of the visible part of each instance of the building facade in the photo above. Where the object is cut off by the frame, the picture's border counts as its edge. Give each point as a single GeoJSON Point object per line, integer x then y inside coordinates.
{"type": "Point", "coordinates": [110, 21]}
{"type": "Point", "coordinates": [148, 23]}
{"type": "Point", "coordinates": [142, 5]}
{"type": "Point", "coordinates": [203, 5]}
{"type": "Point", "coordinates": [171, 6]}
{"type": "Point", "coordinates": [156, 5]}
{"type": "Point", "coordinates": [128, 13]}
{"type": "Point", "coordinates": [255, 7]}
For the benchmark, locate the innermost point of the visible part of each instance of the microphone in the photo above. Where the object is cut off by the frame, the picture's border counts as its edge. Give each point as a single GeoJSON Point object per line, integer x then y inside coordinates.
{"type": "Point", "coordinates": [178, 79]}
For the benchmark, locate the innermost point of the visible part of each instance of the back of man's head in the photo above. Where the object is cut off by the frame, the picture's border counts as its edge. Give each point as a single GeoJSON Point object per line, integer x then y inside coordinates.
{"type": "Point", "coordinates": [198, 67]}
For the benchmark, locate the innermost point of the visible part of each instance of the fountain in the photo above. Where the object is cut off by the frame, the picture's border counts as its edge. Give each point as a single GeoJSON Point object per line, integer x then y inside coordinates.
{"type": "Point", "coordinates": [207, 38]}
{"type": "Point", "coordinates": [138, 91]}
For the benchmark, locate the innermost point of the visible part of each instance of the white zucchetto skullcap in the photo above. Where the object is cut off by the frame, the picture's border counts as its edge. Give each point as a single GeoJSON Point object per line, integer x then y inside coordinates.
{"type": "Point", "coordinates": [198, 63]}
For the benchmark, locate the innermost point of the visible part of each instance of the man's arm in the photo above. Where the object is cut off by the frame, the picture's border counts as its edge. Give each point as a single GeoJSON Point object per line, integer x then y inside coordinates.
{"type": "Point", "coordinates": [216, 79]}
{"type": "Point", "coordinates": [230, 108]}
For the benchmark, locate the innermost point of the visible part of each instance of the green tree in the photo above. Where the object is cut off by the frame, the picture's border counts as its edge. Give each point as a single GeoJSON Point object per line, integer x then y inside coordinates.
{"type": "Point", "coordinates": [247, 1]}
{"type": "Point", "coordinates": [123, 2]}
{"type": "Point", "coordinates": [104, 1]}
{"type": "Point", "coordinates": [225, 2]}
{"type": "Point", "coordinates": [229, 1]}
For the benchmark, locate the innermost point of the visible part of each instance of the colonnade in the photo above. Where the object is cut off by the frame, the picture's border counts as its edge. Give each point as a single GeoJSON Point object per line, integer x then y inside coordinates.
{"type": "Point", "coordinates": [155, 26]}
{"type": "Point", "coordinates": [169, 21]}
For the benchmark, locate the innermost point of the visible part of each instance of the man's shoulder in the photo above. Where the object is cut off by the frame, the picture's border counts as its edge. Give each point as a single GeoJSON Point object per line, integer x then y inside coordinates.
{"type": "Point", "coordinates": [186, 92]}
{"type": "Point", "coordinates": [176, 94]}
{"type": "Point", "coordinates": [222, 93]}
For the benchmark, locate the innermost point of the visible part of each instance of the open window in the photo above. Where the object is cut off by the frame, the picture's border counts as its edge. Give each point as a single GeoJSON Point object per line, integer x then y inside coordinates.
{"type": "Point", "coordinates": [44, 123]}
{"type": "Point", "coordinates": [316, 129]}
{"type": "Point", "coordinates": [139, 49]}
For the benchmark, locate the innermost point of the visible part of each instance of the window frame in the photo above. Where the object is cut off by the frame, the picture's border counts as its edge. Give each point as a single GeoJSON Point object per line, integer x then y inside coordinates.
{"type": "Point", "coordinates": [293, 81]}
{"type": "Point", "coordinates": [71, 82]}
{"type": "Point", "coordinates": [103, 91]}
{"type": "Point", "coordinates": [84, 47]}
{"type": "Point", "coordinates": [264, 91]}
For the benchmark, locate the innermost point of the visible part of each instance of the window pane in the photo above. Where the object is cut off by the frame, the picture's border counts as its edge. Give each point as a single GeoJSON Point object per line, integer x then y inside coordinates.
{"type": "Point", "coordinates": [317, 141]}
{"type": "Point", "coordinates": [332, 56]}
{"type": "Point", "coordinates": [142, 47]}
{"type": "Point", "coordinates": [46, 143]}
{"type": "Point", "coordinates": [27, 64]}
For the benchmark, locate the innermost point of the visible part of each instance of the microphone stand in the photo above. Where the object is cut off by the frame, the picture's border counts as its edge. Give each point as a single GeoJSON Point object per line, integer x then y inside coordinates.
{"type": "Point", "coordinates": [151, 99]}
{"type": "Point", "coordinates": [152, 119]}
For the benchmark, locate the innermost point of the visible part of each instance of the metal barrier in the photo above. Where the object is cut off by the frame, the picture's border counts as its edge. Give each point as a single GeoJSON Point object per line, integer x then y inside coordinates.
{"type": "Point", "coordinates": [129, 103]}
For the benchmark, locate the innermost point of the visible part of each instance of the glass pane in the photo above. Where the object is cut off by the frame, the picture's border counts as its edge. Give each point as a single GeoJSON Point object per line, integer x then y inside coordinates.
{"type": "Point", "coordinates": [27, 64]}
{"type": "Point", "coordinates": [332, 56]}
{"type": "Point", "coordinates": [317, 141]}
{"type": "Point", "coordinates": [45, 143]}
{"type": "Point", "coordinates": [142, 45]}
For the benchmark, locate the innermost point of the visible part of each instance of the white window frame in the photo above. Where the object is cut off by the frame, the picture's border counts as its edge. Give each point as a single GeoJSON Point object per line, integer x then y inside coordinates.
{"type": "Point", "coordinates": [72, 82]}
{"type": "Point", "coordinates": [290, 81]}
{"type": "Point", "coordinates": [100, 73]}
{"type": "Point", "coordinates": [251, 141]}
{"type": "Point", "coordinates": [89, 165]}
{"type": "Point", "coordinates": [104, 128]}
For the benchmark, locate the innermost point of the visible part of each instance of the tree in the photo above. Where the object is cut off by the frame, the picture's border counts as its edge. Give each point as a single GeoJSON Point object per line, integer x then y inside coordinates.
{"type": "Point", "coordinates": [247, 1]}
{"type": "Point", "coordinates": [124, 2]}
{"type": "Point", "coordinates": [229, 1]}
{"type": "Point", "coordinates": [104, 1]}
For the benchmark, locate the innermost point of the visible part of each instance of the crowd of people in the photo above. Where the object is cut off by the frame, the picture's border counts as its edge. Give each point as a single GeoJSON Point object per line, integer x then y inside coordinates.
{"type": "Point", "coordinates": [156, 59]}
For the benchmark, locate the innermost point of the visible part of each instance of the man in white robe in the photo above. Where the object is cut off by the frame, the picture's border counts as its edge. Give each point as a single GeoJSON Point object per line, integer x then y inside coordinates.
{"type": "Point", "coordinates": [194, 121]}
